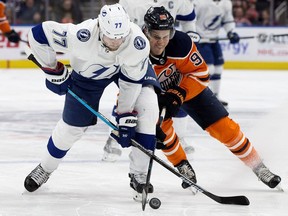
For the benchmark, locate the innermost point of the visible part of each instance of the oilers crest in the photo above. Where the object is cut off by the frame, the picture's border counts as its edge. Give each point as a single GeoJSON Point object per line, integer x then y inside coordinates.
{"type": "Point", "coordinates": [169, 77]}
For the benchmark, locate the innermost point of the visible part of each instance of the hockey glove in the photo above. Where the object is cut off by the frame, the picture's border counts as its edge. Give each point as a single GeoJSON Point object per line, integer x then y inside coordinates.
{"type": "Point", "coordinates": [194, 36]}
{"type": "Point", "coordinates": [233, 37]}
{"type": "Point", "coordinates": [127, 123]}
{"type": "Point", "coordinates": [13, 36]}
{"type": "Point", "coordinates": [58, 80]}
{"type": "Point", "coordinates": [172, 99]}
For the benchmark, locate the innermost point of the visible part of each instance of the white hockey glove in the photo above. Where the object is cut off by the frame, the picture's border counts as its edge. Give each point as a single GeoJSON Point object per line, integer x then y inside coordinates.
{"type": "Point", "coordinates": [194, 36]}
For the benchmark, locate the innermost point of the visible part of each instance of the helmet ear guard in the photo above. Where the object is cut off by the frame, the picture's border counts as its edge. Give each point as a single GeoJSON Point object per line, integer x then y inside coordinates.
{"type": "Point", "coordinates": [114, 21]}
{"type": "Point", "coordinates": [158, 18]}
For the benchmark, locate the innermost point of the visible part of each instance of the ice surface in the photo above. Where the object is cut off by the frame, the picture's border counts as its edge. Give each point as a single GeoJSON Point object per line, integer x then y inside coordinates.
{"type": "Point", "coordinates": [83, 185]}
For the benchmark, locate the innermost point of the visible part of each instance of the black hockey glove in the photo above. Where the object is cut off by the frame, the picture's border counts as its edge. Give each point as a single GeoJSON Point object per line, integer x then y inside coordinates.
{"type": "Point", "coordinates": [58, 80]}
{"type": "Point", "coordinates": [127, 123]}
{"type": "Point", "coordinates": [172, 99]}
{"type": "Point", "coordinates": [13, 36]}
{"type": "Point", "coordinates": [233, 37]}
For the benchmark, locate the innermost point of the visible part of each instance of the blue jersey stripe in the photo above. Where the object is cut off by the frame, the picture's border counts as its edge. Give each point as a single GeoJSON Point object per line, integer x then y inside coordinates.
{"type": "Point", "coordinates": [188, 17]}
{"type": "Point", "coordinates": [39, 35]}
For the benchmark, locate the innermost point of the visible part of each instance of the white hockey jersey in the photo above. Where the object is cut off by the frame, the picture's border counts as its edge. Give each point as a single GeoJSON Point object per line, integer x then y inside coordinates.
{"type": "Point", "coordinates": [90, 58]}
{"type": "Point", "coordinates": [211, 16]}
{"type": "Point", "coordinates": [181, 10]}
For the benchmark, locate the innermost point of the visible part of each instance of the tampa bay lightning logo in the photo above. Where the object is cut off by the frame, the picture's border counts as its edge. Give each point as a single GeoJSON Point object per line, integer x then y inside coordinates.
{"type": "Point", "coordinates": [212, 23]}
{"type": "Point", "coordinates": [139, 43]}
{"type": "Point", "coordinates": [83, 35]}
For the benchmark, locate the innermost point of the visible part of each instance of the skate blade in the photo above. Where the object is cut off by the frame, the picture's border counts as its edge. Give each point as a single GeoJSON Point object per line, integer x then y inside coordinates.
{"type": "Point", "coordinates": [193, 190]}
{"type": "Point", "coordinates": [279, 187]}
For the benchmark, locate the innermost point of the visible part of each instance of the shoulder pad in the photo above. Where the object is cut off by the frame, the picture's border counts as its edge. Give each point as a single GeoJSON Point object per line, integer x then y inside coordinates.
{"type": "Point", "coordinates": [180, 45]}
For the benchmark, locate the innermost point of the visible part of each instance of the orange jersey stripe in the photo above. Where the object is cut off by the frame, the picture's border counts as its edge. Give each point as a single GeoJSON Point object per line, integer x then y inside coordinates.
{"type": "Point", "coordinates": [173, 149]}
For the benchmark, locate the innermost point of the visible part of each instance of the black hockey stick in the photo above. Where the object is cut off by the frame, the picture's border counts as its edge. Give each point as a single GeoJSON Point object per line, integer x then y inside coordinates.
{"type": "Point", "coordinates": [236, 200]}
{"type": "Point", "coordinates": [249, 37]}
{"type": "Point", "coordinates": [20, 39]}
{"type": "Point", "coordinates": [145, 189]}
{"type": "Point", "coordinates": [24, 41]}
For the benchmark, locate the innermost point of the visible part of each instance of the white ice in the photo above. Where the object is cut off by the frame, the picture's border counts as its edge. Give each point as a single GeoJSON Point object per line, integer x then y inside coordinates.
{"type": "Point", "coordinates": [83, 185]}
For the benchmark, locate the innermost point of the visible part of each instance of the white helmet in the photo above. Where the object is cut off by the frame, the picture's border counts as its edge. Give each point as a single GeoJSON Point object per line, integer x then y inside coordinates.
{"type": "Point", "coordinates": [114, 21]}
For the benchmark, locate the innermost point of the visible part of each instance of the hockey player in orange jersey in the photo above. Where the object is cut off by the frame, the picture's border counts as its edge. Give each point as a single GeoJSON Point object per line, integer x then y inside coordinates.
{"type": "Point", "coordinates": [5, 27]}
{"type": "Point", "coordinates": [183, 75]}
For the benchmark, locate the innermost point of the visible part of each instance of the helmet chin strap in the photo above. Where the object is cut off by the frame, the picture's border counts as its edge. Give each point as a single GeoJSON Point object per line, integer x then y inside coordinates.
{"type": "Point", "coordinates": [101, 35]}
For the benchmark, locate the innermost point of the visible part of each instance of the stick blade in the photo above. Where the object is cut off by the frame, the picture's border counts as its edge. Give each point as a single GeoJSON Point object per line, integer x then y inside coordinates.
{"type": "Point", "coordinates": [233, 200]}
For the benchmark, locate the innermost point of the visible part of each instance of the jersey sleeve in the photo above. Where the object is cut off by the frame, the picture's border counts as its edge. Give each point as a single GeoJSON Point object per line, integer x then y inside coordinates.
{"type": "Point", "coordinates": [48, 38]}
{"type": "Point", "coordinates": [196, 73]}
{"type": "Point", "coordinates": [134, 64]}
{"type": "Point", "coordinates": [134, 58]}
{"type": "Point", "coordinates": [190, 64]}
{"type": "Point", "coordinates": [186, 16]}
{"type": "Point", "coordinates": [130, 84]}
{"type": "Point", "coordinates": [228, 19]}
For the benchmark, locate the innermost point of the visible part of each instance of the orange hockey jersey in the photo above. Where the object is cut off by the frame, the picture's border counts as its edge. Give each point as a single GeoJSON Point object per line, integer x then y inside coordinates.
{"type": "Point", "coordinates": [181, 64]}
{"type": "Point", "coordinates": [4, 25]}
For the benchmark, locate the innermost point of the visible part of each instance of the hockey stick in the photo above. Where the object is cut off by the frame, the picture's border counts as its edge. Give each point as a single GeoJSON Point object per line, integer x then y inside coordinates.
{"type": "Point", "coordinates": [25, 41]}
{"type": "Point", "coordinates": [236, 200]}
{"type": "Point", "coordinates": [145, 189]}
{"type": "Point", "coordinates": [247, 37]}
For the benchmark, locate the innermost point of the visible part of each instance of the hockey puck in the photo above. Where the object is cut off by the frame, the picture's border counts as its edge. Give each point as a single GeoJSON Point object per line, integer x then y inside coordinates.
{"type": "Point", "coordinates": [155, 203]}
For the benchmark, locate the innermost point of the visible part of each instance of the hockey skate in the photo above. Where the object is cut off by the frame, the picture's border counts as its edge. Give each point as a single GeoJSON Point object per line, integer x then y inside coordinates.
{"type": "Point", "coordinates": [137, 183]}
{"type": "Point", "coordinates": [187, 148]}
{"type": "Point", "coordinates": [185, 168]}
{"type": "Point", "coordinates": [112, 151]}
{"type": "Point", "coordinates": [267, 177]}
{"type": "Point", "coordinates": [36, 178]}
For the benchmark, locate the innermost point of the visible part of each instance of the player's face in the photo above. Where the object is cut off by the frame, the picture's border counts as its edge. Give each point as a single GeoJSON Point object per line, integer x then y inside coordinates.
{"type": "Point", "coordinates": [158, 39]}
{"type": "Point", "coordinates": [112, 44]}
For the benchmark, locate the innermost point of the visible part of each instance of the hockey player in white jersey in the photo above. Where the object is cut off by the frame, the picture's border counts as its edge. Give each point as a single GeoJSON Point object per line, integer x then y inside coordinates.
{"type": "Point", "coordinates": [183, 11]}
{"type": "Point", "coordinates": [103, 50]}
{"type": "Point", "coordinates": [212, 15]}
